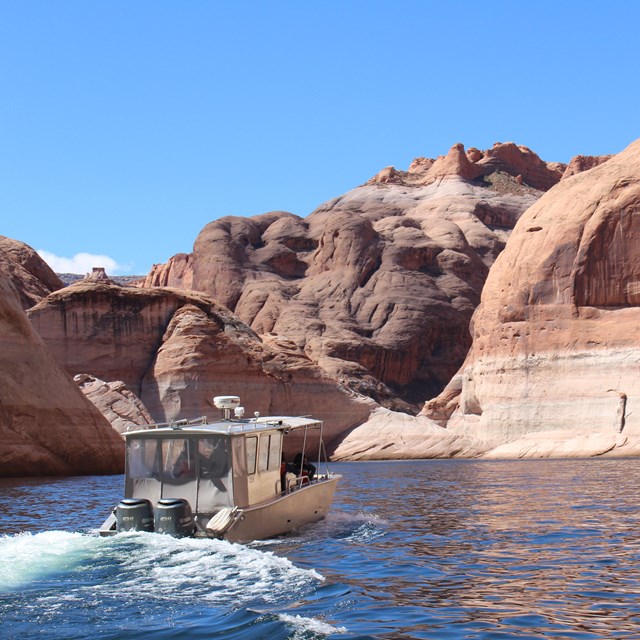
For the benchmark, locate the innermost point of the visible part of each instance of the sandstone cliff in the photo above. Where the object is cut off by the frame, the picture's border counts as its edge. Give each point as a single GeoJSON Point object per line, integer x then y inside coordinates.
{"type": "Point", "coordinates": [30, 275]}
{"type": "Point", "coordinates": [118, 404]}
{"type": "Point", "coordinates": [176, 273]}
{"type": "Point", "coordinates": [377, 287]}
{"type": "Point", "coordinates": [47, 427]}
{"type": "Point", "coordinates": [176, 350]}
{"type": "Point", "coordinates": [370, 297]}
{"type": "Point", "coordinates": [554, 365]}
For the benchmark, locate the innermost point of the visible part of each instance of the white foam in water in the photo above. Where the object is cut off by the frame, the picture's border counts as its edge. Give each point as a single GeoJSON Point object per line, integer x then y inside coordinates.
{"type": "Point", "coordinates": [27, 557]}
{"type": "Point", "coordinates": [165, 567]}
{"type": "Point", "coordinates": [303, 626]}
{"type": "Point", "coordinates": [148, 565]}
{"type": "Point", "coordinates": [145, 566]}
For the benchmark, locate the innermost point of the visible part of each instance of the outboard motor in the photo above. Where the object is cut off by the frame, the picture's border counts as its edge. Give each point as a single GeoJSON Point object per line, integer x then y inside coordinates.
{"type": "Point", "coordinates": [173, 516]}
{"type": "Point", "coordinates": [134, 514]}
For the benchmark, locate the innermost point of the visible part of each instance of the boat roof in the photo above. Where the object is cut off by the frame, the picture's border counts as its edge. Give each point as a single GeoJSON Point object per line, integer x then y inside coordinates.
{"type": "Point", "coordinates": [202, 426]}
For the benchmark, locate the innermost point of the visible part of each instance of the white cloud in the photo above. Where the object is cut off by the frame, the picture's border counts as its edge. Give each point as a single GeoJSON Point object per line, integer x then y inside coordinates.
{"type": "Point", "coordinates": [82, 263]}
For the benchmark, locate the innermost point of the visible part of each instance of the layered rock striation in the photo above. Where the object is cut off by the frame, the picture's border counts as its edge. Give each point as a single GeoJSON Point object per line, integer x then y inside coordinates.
{"type": "Point", "coordinates": [47, 426]}
{"type": "Point", "coordinates": [176, 350]}
{"type": "Point", "coordinates": [376, 287]}
{"type": "Point", "coordinates": [554, 364]}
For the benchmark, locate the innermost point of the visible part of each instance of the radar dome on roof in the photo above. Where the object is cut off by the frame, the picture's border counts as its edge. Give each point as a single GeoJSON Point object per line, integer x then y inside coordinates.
{"type": "Point", "coordinates": [226, 402]}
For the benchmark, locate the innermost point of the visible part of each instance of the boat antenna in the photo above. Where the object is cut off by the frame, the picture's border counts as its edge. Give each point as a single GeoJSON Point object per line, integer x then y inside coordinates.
{"type": "Point", "coordinates": [226, 404]}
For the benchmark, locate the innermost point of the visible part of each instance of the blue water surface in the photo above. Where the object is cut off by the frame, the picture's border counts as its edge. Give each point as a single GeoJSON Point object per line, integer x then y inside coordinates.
{"type": "Point", "coordinates": [418, 549]}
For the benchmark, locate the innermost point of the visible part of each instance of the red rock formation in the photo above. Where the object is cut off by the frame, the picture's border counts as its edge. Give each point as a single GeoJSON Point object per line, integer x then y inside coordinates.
{"type": "Point", "coordinates": [47, 427]}
{"type": "Point", "coordinates": [555, 340]}
{"type": "Point", "coordinates": [387, 175]}
{"type": "Point", "coordinates": [508, 158]}
{"type": "Point", "coordinates": [99, 275]}
{"type": "Point", "coordinates": [474, 154]}
{"type": "Point", "coordinates": [455, 163]}
{"type": "Point", "coordinates": [518, 160]}
{"type": "Point", "coordinates": [579, 164]}
{"type": "Point", "coordinates": [420, 165]}
{"type": "Point", "coordinates": [31, 276]}
{"type": "Point", "coordinates": [176, 273]}
{"type": "Point", "coordinates": [118, 404]}
{"type": "Point", "coordinates": [177, 350]}
{"type": "Point", "coordinates": [356, 283]}
{"type": "Point", "coordinates": [377, 286]}
{"type": "Point", "coordinates": [108, 331]}
{"type": "Point", "coordinates": [199, 359]}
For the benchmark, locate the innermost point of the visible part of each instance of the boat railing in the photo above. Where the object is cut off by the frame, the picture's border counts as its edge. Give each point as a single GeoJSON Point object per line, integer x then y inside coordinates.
{"type": "Point", "coordinates": [298, 482]}
{"type": "Point", "coordinates": [172, 424]}
{"type": "Point", "coordinates": [252, 425]}
{"type": "Point", "coordinates": [293, 484]}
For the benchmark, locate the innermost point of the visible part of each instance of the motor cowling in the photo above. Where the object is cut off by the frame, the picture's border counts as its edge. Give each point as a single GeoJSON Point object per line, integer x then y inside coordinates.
{"type": "Point", "coordinates": [134, 514]}
{"type": "Point", "coordinates": [173, 516]}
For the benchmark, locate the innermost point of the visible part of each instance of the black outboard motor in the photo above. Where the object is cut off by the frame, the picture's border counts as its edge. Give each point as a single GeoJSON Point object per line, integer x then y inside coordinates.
{"type": "Point", "coordinates": [134, 514]}
{"type": "Point", "coordinates": [173, 516]}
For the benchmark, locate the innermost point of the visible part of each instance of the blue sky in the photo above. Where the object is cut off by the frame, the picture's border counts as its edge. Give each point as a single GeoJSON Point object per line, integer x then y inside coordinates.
{"type": "Point", "coordinates": [125, 127]}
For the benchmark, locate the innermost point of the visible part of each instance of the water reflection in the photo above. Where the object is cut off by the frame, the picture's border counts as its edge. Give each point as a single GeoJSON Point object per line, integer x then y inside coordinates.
{"type": "Point", "coordinates": [433, 549]}
{"type": "Point", "coordinates": [522, 545]}
{"type": "Point", "coordinates": [67, 504]}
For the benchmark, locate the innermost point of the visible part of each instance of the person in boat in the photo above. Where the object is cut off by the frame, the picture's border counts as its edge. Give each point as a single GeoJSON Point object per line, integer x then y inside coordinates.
{"type": "Point", "coordinates": [302, 467]}
{"type": "Point", "coordinates": [183, 466]}
{"type": "Point", "coordinates": [212, 457]}
{"type": "Point", "coordinates": [205, 458]}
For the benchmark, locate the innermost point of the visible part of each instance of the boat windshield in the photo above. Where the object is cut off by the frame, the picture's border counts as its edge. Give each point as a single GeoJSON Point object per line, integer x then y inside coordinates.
{"type": "Point", "coordinates": [193, 467]}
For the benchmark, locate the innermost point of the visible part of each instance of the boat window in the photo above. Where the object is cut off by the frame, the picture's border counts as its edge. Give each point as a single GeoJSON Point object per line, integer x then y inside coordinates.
{"type": "Point", "coordinates": [252, 450]}
{"type": "Point", "coordinates": [213, 457]}
{"type": "Point", "coordinates": [270, 457]}
{"type": "Point", "coordinates": [263, 460]}
{"type": "Point", "coordinates": [275, 456]}
{"type": "Point", "coordinates": [142, 458]}
{"type": "Point", "coordinates": [178, 459]}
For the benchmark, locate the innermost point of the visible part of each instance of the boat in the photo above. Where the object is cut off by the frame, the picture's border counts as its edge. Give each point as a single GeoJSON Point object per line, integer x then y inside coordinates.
{"type": "Point", "coordinates": [225, 479]}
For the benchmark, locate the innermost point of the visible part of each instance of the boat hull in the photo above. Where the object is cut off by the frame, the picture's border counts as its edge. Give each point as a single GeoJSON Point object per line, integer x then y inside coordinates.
{"type": "Point", "coordinates": [283, 514]}
{"type": "Point", "coordinates": [287, 513]}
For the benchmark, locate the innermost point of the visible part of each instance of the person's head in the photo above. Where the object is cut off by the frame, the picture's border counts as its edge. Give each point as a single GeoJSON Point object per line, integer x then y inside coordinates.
{"type": "Point", "coordinates": [205, 448]}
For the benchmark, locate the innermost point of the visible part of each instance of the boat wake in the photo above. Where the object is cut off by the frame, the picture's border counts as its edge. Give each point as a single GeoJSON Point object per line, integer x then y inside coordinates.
{"type": "Point", "coordinates": [60, 578]}
{"type": "Point", "coordinates": [27, 558]}
{"type": "Point", "coordinates": [151, 566]}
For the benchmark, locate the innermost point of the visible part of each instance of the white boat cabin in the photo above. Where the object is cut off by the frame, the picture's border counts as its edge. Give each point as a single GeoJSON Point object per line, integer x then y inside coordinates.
{"type": "Point", "coordinates": [234, 464]}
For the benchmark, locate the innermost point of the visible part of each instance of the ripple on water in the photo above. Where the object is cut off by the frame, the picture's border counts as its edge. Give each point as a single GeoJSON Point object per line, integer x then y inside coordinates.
{"type": "Point", "coordinates": [440, 549]}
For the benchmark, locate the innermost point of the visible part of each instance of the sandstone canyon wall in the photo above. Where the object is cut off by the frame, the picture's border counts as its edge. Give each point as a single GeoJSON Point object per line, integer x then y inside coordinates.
{"type": "Point", "coordinates": [47, 427]}
{"type": "Point", "coordinates": [367, 302]}
{"type": "Point", "coordinates": [376, 287]}
{"type": "Point", "coordinates": [555, 362]}
{"type": "Point", "coordinates": [175, 350]}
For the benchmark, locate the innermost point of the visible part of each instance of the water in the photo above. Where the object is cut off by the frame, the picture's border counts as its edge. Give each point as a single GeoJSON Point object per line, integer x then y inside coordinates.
{"type": "Point", "coordinates": [433, 549]}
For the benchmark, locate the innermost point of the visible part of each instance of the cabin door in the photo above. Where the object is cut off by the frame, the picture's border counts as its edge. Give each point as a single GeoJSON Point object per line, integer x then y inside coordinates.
{"type": "Point", "coordinates": [214, 474]}
{"type": "Point", "coordinates": [179, 477]}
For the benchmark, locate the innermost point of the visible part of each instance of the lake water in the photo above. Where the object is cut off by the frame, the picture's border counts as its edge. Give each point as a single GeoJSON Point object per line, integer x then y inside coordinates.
{"type": "Point", "coordinates": [429, 549]}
